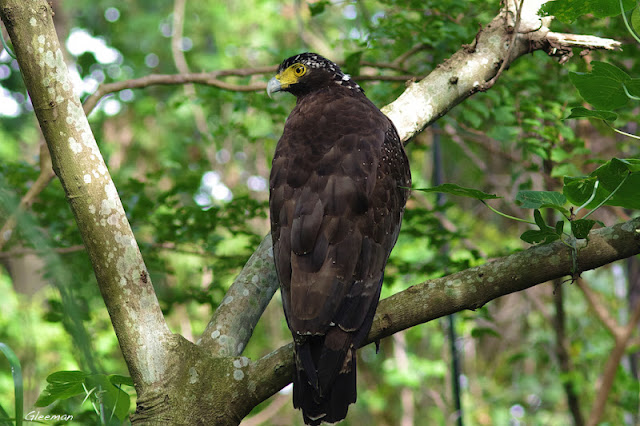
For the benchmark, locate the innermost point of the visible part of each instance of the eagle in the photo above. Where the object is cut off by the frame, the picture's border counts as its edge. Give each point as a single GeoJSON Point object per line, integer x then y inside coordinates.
{"type": "Point", "coordinates": [339, 183]}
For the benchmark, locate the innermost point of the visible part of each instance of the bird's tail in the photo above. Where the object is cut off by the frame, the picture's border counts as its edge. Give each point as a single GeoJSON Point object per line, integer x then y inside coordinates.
{"type": "Point", "coordinates": [325, 381]}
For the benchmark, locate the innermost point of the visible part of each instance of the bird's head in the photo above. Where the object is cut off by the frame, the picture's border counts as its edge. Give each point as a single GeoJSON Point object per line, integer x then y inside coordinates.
{"type": "Point", "coordinates": [306, 72]}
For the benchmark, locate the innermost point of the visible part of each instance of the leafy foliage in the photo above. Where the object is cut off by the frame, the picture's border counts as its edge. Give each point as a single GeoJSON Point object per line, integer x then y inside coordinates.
{"type": "Point", "coordinates": [570, 10]}
{"type": "Point", "coordinates": [104, 392]}
{"type": "Point", "coordinates": [605, 87]}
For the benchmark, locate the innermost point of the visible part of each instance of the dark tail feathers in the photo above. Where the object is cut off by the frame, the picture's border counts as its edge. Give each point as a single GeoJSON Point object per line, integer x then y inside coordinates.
{"type": "Point", "coordinates": [325, 381]}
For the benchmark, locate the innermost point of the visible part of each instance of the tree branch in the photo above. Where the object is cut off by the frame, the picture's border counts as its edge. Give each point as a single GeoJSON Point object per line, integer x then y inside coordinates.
{"type": "Point", "coordinates": [468, 69]}
{"type": "Point", "coordinates": [208, 79]}
{"type": "Point", "coordinates": [469, 289]}
{"type": "Point", "coordinates": [118, 265]}
{"type": "Point", "coordinates": [43, 179]}
{"type": "Point", "coordinates": [232, 323]}
{"type": "Point", "coordinates": [599, 309]}
{"type": "Point", "coordinates": [609, 373]}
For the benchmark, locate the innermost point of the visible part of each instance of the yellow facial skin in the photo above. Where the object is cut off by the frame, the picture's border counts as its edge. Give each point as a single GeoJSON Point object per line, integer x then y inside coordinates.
{"type": "Point", "coordinates": [286, 78]}
{"type": "Point", "coordinates": [291, 75]}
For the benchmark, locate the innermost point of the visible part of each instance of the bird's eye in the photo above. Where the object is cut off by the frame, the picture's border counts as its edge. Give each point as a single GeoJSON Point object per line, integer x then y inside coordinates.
{"type": "Point", "coordinates": [299, 70]}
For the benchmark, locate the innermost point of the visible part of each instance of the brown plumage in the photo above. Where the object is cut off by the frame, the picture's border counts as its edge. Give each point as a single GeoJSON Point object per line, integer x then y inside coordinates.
{"type": "Point", "coordinates": [338, 189]}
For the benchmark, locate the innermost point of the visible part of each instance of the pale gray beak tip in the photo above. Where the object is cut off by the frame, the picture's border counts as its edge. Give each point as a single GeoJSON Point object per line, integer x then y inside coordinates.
{"type": "Point", "coordinates": [273, 86]}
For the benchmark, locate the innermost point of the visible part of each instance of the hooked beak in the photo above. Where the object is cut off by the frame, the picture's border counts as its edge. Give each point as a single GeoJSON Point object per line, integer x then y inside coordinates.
{"type": "Point", "coordinates": [273, 86]}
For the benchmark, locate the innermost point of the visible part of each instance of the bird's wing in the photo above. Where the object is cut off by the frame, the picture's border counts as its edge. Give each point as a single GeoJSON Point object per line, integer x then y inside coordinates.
{"type": "Point", "coordinates": [335, 212]}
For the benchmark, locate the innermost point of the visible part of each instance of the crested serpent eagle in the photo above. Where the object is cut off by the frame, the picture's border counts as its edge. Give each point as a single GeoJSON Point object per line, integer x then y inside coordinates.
{"type": "Point", "coordinates": [338, 187]}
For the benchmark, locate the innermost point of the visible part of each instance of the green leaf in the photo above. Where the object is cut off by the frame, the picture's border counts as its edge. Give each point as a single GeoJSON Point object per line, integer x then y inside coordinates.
{"type": "Point", "coordinates": [633, 86]}
{"type": "Point", "coordinates": [613, 173]}
{"type": "Point", "coordinates": [117, 379]}
{"type": "Point", "coordinates": [71, 376]}
{"type": "Point", "coordinates": [537, 217]}
{"type": "Point", "coordinates": [635, 20]}
{"type": "Point", "coordinates": [579, 190]}
{"type": "Point", "coordinates": [569, 10]}
{"type": "Point", "coordinates": [16, 373]}
{"type": "Point", "coordinates": [621, 176]}
{"type": "Point", "coordinates": [318, 7]}
{"type": "Point", "coordinates": [484, 331]}
{"type": "Point", "coordinates": [582, 112]}
{"type": "Point", "coordinates": [603, 87]}
{"type": "Point", "coordinates": [560, 227]}
{"type": "Point", "coordinates": [545, 234]}
{"type": "Point", "coordinates": [352, 63]}
{"type": "Point", "coordinates": [62, 385]}
{"type": "Point", "coordinates": [450, 188]}
{"type": "Point", "coordinates": [537, 199]}
{"type": "Point", "coordinates": [580, 228]}
{"type": "Point", "coordinates": [535, 236]}
{"type": "Point", "coordinates": [114, 400]}
{"type": "Point", "coordinates": [5, 418]}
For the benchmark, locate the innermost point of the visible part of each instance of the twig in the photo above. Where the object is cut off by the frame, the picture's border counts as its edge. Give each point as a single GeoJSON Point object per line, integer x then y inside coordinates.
{"type": "Point", "coordinates": [601, 311]}
{"type": "Point", "coordinates": [26, 251]}
{"type": "Point", "coordinates": [209, 79]}
{"type": "Point", "coordinates": [406, 55]}
{"type": "Point", "coordinates": [488, 84]}
{"type": "Point", "coordinates": [609, 373]}
{"type": "Point", "coordinates": [45, 176]}
{"type": "Point", "coordinates": [383, 65]}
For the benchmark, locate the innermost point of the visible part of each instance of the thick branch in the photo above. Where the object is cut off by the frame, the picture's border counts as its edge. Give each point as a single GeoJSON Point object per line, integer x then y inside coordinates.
{"type": "Point", "coordinates": [470, 289]}
{"type": "Point", "coordinates": [467, 71]}
{"type": "Point", "coordinates": [232, 324]}
{"type": "Point", "coordinates": [118, 265]}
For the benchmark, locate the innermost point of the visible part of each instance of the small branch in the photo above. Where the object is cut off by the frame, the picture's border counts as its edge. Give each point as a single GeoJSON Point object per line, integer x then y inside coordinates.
{"type": "Point", "coordinates": [209, 79]}
{"type": "Point", "coordinates": [26, 251]}
{"type": "Point", "coordinates": [609, 374]}
{"type": "Point", "coordinates": [464, 72]}
{"type": "Point", "coordinates": [182, 66]}
{"type": "Point", "coordinates": [409, 53]}
{"type": "Point", "coordinates": [516, 27]}
{"type": "Point", "coordinates": [45, 176]}
{"type": "Point", "coordinates": [382, 65]}
{"type": "Point", "coordinates": [601, 311]}
{"type": "Point", "coordinates": [585, 41]}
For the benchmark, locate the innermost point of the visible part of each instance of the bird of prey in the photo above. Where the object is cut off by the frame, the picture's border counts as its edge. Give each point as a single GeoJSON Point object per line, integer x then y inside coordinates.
{"type": "Point", "coordinates": [338, 187]}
